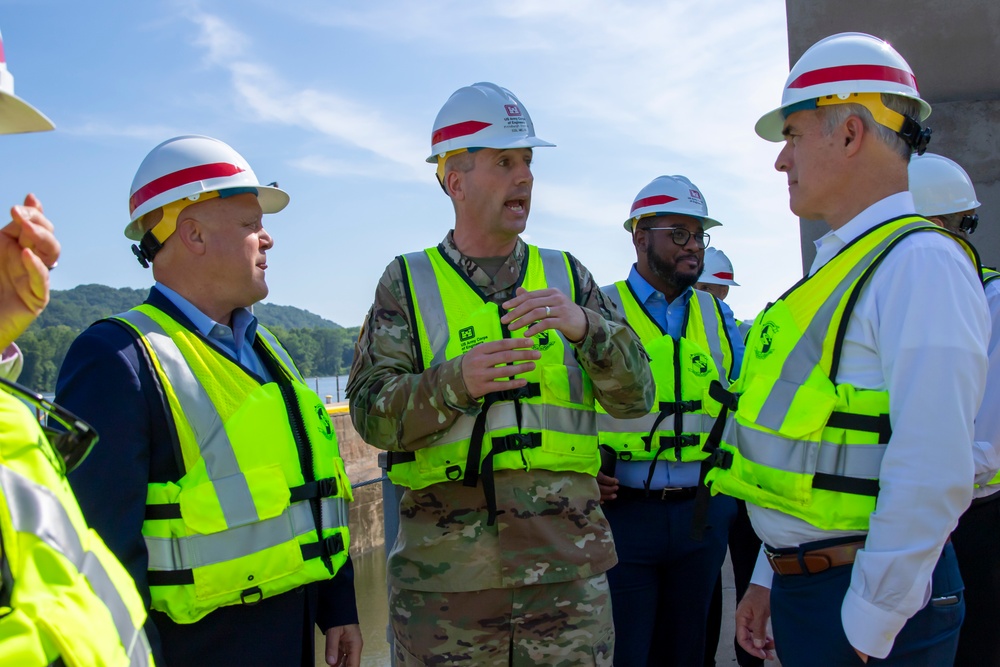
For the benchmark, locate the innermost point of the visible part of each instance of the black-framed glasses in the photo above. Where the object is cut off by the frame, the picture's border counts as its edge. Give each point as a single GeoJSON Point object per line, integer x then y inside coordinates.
{"type": "Point", "coordinates": [680, 236]}
{"type": "Point", "coordinates": [72, 444]}
{"type": "Point", "coordinates": [969, 223]}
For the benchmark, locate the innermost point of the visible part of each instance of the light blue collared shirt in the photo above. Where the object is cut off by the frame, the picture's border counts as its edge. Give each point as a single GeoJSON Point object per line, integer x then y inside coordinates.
{"type": "Point", "coordinates": [236, 341]}
{"type": "Point", "coordinates": [670, 316]}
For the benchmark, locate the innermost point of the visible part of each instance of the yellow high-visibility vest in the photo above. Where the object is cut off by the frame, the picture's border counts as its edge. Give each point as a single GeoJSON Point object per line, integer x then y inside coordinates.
{"type": "Point", "coordinates": [549, 424]}
{"type": "Point", "coordinates": [683, 369]}
{"type": "Point", "coordinates": [63, 594]}
{"type": "Point", "coordinates": [800, 441]}
{"type": "Point", "coordinates": [262, 504]}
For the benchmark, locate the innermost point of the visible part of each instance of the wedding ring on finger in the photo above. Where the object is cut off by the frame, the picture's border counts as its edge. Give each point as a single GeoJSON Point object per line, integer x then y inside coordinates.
{"type": "Point", "coordinates": [548, 311]}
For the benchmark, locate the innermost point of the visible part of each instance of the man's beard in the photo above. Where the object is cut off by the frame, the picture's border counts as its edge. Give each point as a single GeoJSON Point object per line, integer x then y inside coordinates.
{"type": "Point", "coordinates": [667, 271]}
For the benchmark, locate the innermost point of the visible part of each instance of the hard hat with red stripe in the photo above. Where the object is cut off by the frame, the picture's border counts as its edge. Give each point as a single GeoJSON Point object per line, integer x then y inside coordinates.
{"type": "Point", "coordinates": [850, 68]}
{"type": "Point", "coordinates": [670, 195]}
{"type": "Point", "coordinates": [187, 167]}
{"type": "Point", "coordinates": [16, 115]}
{"type": "Point", "coordinates": [482, 115]}
{"type": "Point", "coordinates": [940, 186]}
{"type": "Point", "coordinates": [718, 269]}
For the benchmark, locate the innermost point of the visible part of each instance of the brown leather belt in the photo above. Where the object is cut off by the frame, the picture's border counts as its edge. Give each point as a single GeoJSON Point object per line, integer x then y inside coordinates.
{"type": "Point", "coordinates": [814, 561]}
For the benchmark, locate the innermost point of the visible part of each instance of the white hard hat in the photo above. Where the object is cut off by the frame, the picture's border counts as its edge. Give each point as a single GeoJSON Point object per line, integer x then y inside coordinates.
{"type": "Point", "coordinates": [670, 194]}
{"type": "Point", "coordinates": [718, 269]}
{"type": "Point", "coordinates": [16, 115]}
{"type": "Point", "coordinates": [187, 166]}
{"type": "Point", "coordinates": [842, 65]}
{"type": "Point", "coordinates": [482, 115]}
{"type": "Point", "coordinates": [940, 186]}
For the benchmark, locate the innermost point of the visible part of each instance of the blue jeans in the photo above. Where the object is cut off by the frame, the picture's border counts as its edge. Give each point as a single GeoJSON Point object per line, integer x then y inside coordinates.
{"type": "Point", "coordinates": [808, 631]}
{"type": "Point", "coordinates": [662, 585]}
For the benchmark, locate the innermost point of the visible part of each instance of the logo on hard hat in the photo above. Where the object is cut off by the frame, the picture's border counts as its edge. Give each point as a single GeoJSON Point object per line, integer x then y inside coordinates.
{"type": "Point", "coordinates": [695, 194]}
{"type": "Point", "coordinates": [512, 109]}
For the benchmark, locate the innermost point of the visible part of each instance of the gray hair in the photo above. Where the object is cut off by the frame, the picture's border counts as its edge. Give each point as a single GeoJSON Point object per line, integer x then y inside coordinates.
{"type": "Point", "coordinates": [835, 114]}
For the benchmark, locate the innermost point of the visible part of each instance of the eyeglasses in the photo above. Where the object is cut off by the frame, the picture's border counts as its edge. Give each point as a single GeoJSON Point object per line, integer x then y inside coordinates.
{"type": "Point", "coordinates": [681, 236]}
{"type": "Point", "coordinates": [969, 223]}
{"type": "Point", "coordinates": [74, 443]}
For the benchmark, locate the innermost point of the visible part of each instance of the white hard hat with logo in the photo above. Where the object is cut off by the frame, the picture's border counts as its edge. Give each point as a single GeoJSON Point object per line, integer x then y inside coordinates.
{"type": "Point", "coordinates": [670, 194]}
{"type": "Point", "coordinates": [185, 170]}
{"type": "Point", "coordinates": [16, 115]}
{"type": "Point", "coordinates": [718, 269]}
{"type": "Point", "coordinates": [190, 165]}
{"type": "Point", "coordinates": [482, 115]}
{"type": "Point", "coordinates": [940, 186]}
{"type": "Point", "coordinates": [846, 68]}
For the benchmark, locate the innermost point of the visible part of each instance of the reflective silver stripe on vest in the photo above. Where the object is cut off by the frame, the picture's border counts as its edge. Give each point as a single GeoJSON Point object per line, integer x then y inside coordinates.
{"type": "Point", "coordinates": [710, 323]}
{"type": "Point", "coordinates": [557, 277]}
{"type": "Point", "coordinates": [220, 460]}
{"type": "Point", "coordinates": [534, 417]}
{"type": "Point", "coordinates": [808, 350]}
{"type": "Point", "coordinates": [693, 423]}
{"type": "Point", "coordinates": [280, 352]}
{"type": "Point", "coordinates": [804, 457]}
{"type": "Point", "coordinates": [193, 551]}
{"type": "Point", "coordinates": [35, 509]}
{"type": "Point", "coordinates": [427, 294]}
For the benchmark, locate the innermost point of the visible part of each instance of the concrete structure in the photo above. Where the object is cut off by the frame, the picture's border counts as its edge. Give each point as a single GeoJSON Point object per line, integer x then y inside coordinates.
{"type": "Point", "coordinates": [954, 50]}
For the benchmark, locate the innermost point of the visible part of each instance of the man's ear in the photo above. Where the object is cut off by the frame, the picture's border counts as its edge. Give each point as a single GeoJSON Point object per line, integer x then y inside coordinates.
{"type": "Point", "coordinates": [190, 232]}
{"type": "Point", "coordinates": [453, 184]}
{"type": "Point", "coordinates": [853, 130]}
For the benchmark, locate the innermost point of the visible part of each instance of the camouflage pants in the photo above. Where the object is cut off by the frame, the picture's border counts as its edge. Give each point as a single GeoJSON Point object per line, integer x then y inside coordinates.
{"type": "Point", "coordinates": [565, 624]}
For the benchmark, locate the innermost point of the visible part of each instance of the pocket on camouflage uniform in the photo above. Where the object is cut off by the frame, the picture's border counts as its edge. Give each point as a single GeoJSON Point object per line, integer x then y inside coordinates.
{"type": "Point", "coordinates": [406, 659]}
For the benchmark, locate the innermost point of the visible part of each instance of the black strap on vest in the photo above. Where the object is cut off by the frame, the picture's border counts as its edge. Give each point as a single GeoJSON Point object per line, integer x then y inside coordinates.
{"type": "Point", "coordinates": [717, 457]}
{"type": "Point", "coordinates": [870, 423]}
{"type": "Point", "coordinates": [514, 442]}
{"type": "Point", "coordinates": [472, 472]}
{"type": "Point", "coordinates": [321, 488]}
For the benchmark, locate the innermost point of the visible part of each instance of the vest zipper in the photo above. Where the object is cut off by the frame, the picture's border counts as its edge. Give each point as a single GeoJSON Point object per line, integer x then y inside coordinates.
{"type": "Point", "coordinates": [306, 463]}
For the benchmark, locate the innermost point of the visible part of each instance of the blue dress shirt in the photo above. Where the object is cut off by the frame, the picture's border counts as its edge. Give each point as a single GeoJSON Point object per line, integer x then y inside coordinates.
{"type": "Point", "coordinates": [236, 341]}
{"type": "Point", "coordinates": [670, 316]}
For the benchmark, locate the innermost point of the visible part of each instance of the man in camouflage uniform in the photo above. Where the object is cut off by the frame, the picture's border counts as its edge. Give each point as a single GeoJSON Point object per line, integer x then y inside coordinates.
{"type": "Point", "coordinates": [516, 578]}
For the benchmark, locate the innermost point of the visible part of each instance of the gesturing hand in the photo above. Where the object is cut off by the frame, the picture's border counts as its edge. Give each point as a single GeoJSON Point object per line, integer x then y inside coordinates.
{"type": "Point", "coordinates": [545, 309]}
{"type": "Point", "coordinates": [486, 363]}
{"type": "Point", "coordinates": [28, 247]}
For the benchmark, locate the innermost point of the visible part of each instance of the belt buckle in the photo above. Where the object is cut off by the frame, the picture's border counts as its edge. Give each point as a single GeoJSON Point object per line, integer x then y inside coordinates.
{"type": "Point", "coordinates": [771, 556]}
{"type": "Point", "coordinates": [667, 490]}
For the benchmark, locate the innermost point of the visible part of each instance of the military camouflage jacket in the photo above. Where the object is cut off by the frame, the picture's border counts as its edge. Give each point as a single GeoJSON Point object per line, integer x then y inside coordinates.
{"type": "Point", "coordinates": [551, 527]}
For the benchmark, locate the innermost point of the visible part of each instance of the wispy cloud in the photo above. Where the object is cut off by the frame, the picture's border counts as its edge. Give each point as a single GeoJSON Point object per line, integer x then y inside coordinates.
{"type": "Point", "coordinates": [273, 99]}
{"type": "Point", "coordinates": [155, 133]}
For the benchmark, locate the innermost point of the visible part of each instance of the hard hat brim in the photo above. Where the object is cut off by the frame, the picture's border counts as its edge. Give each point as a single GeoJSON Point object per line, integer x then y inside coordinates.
{"type": "Point", "coordinates": [706, 223]}
{"type": "Point", "coordinates": [712, 280]}
{"type": "Point", "coordinates": [271, 199]}
{"type": "Point", "coordinates": [770, 126]}
{"type": "Point", "coordinates": [18, 116]}
{"type": "Point", "coordinates": [526, 142]}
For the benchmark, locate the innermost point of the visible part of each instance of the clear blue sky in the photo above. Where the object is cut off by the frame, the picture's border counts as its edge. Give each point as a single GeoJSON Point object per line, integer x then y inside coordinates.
{"type": "Point", "coordinates": [335, 101]}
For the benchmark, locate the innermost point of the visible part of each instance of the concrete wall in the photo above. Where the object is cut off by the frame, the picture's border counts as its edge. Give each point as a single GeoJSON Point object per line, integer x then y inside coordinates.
{"type": "Point", "coordinates": [362, 464]}
{"type": "Point", "coordinates": [954, 50]}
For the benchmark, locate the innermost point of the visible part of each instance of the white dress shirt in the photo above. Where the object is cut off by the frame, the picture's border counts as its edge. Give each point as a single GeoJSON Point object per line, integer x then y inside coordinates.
{"type": "Point", "coordinates": [986, 452]}
{"type": "Point", "coordinates": [919, 331]}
